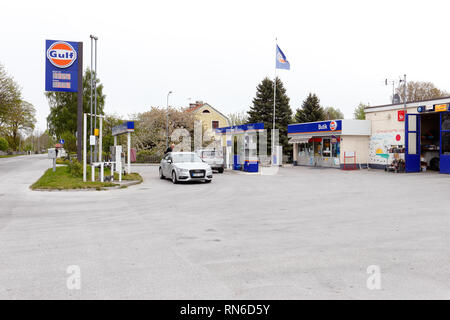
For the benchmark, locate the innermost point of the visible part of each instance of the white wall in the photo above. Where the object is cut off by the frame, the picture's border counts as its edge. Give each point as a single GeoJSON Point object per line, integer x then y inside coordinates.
{"type": "Point", "coordinates": [358, 144]}
{"type": "Point", "coordinates": [356, 127]}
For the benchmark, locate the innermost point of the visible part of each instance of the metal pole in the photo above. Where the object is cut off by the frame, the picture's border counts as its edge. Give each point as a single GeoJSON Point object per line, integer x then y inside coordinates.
{"type": "Point", "coordinates": [404, 92]}
{"type": "Point", "coordinates": [95, 83]}
{"type": "Point", "coordinates": [128, 152]}
{"type": "Point", "coordinates": [167, 121]}
{"type": "Point", "coordinates": [393, 91]}
{"type": "Point", "coordinates": [274, 100]}
{"type": "Point", "coordinates": [79, 99]}
{"type": "Point", "coordinates": [92, 74]}
{"type": "Point", "coordinates": [100, 151]}
{"type": "Point", "coordinates": [84, 146]}
{"type": "Point", "coordinates": [95, 89]}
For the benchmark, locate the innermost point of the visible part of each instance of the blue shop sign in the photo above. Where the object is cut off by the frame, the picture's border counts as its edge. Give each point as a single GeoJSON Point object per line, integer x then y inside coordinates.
{"type": "Point", "coordinates": [316, 127]}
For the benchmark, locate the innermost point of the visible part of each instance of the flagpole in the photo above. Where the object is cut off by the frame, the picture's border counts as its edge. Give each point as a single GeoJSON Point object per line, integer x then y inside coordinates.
{"type": "Point", "coordinates": [274, 99]}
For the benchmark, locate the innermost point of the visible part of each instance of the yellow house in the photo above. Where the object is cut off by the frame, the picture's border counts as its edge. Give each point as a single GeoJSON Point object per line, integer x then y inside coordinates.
{"type": "Point", "coordinates": [210, 117]}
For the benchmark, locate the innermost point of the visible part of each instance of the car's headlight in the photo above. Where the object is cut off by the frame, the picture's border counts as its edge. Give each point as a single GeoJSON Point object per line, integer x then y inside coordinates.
{"type": "Point", "coordinates": [183, 171]}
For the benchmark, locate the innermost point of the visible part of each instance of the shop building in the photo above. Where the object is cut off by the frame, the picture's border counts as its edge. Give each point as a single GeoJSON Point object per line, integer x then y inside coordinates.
{"type": "Point", "coordinates": [335, 143]}
{"type": "Point", "coordinates": [418, 133]}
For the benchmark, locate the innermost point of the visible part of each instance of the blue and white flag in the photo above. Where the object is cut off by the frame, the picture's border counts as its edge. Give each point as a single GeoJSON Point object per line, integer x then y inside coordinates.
{"type": "Point", "coordinates": [281, 62]}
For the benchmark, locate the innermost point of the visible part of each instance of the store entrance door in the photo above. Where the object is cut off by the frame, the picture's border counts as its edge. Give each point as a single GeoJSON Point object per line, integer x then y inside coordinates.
{"type": "Point", "coordinates": [444, 161]}
{"type": "Point", "coordinates": [412, 134]}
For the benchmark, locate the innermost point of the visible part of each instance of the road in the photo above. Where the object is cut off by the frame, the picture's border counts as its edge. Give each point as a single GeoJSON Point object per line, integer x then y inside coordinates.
{"type": "Point", "coordinates": [301, 234]}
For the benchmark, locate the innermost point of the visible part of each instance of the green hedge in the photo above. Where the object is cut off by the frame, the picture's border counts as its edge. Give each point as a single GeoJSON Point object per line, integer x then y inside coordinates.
{"type": "Point", "coordinates": [148, 156]}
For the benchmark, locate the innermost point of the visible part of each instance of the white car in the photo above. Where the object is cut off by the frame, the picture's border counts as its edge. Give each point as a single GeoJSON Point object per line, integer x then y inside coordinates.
{"type": "Point", "coordinates": [184, 166]}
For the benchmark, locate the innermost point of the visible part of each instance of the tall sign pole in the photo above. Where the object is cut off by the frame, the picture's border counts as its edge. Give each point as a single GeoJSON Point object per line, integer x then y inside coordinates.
{"type": "Point", "coordinates": [272, 148]}
{"type": "Point", "coordinates": [80, 102]}
{"type": "Point", "coordinates": [92, 112]}
{"type": "Point", "coordinates": [404, 92]}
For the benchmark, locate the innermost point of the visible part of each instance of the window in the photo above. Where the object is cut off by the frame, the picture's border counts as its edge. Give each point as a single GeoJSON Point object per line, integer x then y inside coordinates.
{"type": "Point", "coordinates": [446, 143]}
{"type": "Point", "coordinates": [445, 121]}
{"type": "Point", "coordinates": [326, 148]}
{"type": "Point", "coordinates": [412, 143]}
{"type": "Point", "coordinates": [186, 157]}
{"type": "Point", "coordinates": [215, 124]}
{"type": "Point", "coordinates": [317, 148]}
{"type": "Point", "coordinates": [206, 111]}
{"type": "Point", "coordinates": [336, 150]}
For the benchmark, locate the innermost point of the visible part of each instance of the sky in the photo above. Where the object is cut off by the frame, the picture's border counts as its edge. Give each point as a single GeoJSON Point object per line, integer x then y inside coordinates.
{"type": "Point", "coordinates": [219, 51]}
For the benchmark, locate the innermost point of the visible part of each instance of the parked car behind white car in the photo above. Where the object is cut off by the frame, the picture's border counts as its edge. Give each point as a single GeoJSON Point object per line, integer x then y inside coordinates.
{"type": "Point", "coordinates": [213, 157]}
{"type": "Point", "coordinates": [184, 166]}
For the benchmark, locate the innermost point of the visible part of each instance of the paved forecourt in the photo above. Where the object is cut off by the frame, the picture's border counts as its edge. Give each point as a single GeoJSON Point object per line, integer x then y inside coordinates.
{"type": "Point", "coordinates": [303, 233]}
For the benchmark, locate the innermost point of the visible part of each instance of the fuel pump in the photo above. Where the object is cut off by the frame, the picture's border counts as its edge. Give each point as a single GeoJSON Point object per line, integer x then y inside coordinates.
{"type": "Point", "coordinates": [250, 152]}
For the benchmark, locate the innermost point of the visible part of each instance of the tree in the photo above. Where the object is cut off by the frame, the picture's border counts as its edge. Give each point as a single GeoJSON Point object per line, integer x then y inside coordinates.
{"type": "Point", "coordinates": [63, 106]}
{"type": "Point", "coordinates": [262, 111]}
{"type": "Point", "coordinates": [418, 90]}
{"type": "Point", "coordinates": [3, 144]}
{"type": "Point", "coordinates": [359, 113]}
{"type": "Point", "coordinates": [20, 118]}
{"type": "Point", "coordinates": [333, 113]}
{"type": "Point", "coordinates": [10, 95]}
{"type": "Point", "coordinates": [109, 122]}
{"type": "Point", "coordinates": [70, 141]}
{"type": "Point", "coordinates": [310, 110]}
{"type": "Point", "coordinates": [238, 118]}
{"type": "Point", "coordinates": [150, 128]}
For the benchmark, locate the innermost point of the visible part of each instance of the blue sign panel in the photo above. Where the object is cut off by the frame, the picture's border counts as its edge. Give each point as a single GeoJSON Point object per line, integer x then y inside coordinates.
{"type": "Point", "coordinates": [61, 66]}
{"type": "Point", "coordinates": [125, 127]}
{"type": "Point", "coordinates": [242, 128]}
{"type": "Point", "coordinates": [316, 127]}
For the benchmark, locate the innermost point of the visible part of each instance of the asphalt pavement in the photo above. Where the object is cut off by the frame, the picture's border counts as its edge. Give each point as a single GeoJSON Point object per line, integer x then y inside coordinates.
{"type": "Point", "coordinates": [302, 233]}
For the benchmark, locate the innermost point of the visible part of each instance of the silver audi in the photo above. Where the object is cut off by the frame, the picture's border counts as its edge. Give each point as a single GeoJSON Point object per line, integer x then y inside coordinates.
{"type": "Point", "coordinates": [184, 166]}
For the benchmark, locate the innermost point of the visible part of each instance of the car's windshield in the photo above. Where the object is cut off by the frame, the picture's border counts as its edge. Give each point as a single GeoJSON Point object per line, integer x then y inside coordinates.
{"type": "Point", "coordinates": [186, 157]}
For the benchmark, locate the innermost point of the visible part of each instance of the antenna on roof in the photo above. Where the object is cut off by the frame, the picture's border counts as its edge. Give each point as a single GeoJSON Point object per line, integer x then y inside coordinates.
{"type": "Point", "coordinates": [388, 82]}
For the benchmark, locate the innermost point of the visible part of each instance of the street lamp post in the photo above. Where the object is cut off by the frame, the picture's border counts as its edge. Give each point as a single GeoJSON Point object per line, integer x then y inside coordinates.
{"type": "Point", "coordinates": [167, 121]}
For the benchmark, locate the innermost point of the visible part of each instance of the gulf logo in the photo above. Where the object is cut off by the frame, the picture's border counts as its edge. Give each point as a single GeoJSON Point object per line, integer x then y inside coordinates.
{"type": "Point", "coordinates": [333, 125]}
{"type": "Point", "coordinates": [61, 54]}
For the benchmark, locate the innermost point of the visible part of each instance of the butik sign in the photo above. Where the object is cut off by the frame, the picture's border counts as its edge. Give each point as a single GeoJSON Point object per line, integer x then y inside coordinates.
{"type": "Point", "coordinates": [61, 66]}
{"type": "Point", "coordinates": [315, 127]}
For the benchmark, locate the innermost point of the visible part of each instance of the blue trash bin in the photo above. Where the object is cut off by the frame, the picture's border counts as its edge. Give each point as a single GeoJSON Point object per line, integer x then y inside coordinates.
{"type": "Point", "coordinates": [251, 165]}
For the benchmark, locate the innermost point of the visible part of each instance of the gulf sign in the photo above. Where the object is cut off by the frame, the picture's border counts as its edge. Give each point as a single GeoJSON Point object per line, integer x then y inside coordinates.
{"type": "Point", "coordinates": [61, 54]}
{"type": "Point", "coordinates": [61, 66]}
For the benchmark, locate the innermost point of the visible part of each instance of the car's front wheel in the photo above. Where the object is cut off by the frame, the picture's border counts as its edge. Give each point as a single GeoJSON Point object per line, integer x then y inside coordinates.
{"type": "Point", "coordinates": [161, 175]}
{"type": "Point", "coordinates": [174, 178]}
{"type": "Point", "coordinates": [220, 170]}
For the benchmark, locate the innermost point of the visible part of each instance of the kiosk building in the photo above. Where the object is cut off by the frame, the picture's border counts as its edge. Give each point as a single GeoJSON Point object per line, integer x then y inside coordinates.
{"type": "Point", "coordinates": [334, 143]}
{"type": "Point", "coordinates": [426, 144]}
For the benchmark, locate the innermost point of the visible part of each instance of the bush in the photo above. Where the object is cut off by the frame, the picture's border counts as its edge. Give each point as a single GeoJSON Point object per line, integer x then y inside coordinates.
{"type": "Point", "coordinates": [62, 161]}
{"type": "Point", "coordinates": [149, 156]}
{"type": "Point", "coordinates": [75, 169]}
{"type": "Point", "coordinates": [4, 145]}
